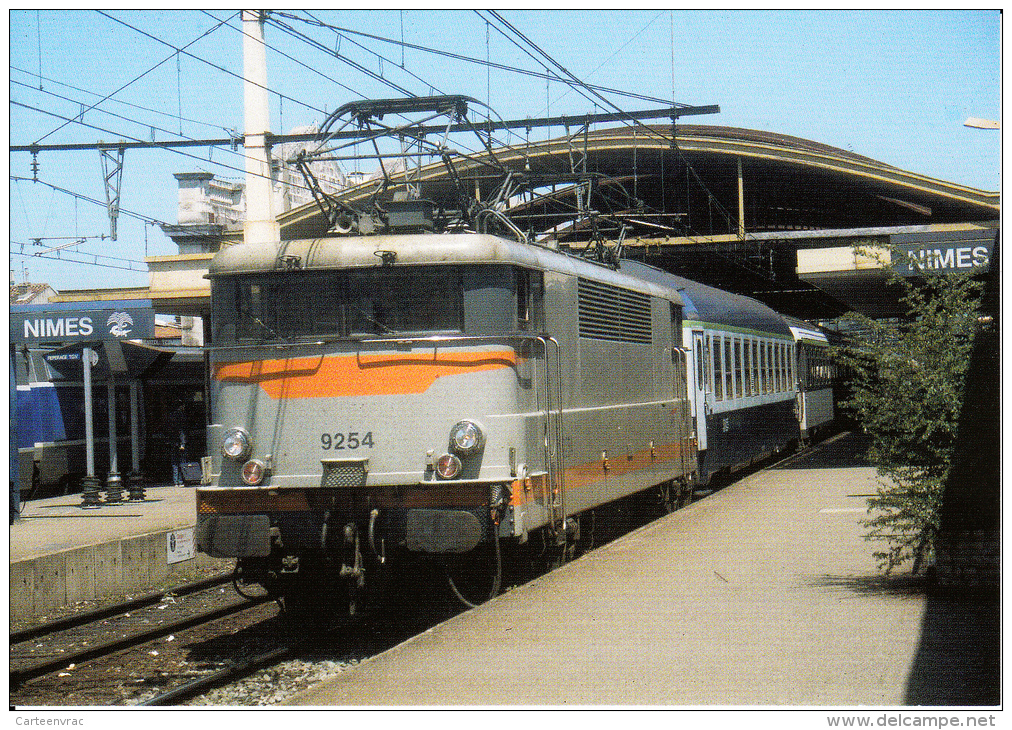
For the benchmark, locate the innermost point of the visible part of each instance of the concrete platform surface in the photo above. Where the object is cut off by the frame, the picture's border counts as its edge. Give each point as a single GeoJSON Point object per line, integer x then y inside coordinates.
{"type": "Point", "coordinates": [764, 593]}
{"type": "Point", "coordinates": [60, 523]}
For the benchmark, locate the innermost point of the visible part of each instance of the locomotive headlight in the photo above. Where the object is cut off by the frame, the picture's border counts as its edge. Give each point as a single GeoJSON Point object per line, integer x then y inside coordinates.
{"type": "Point", "coordinates": [236, 444]}
{"type": "Point", "coordinates": [466, 438]}
{"type": "Point", "coordinates": [253, 472]}
{"type": "Point", "coordinates": [448, 466]}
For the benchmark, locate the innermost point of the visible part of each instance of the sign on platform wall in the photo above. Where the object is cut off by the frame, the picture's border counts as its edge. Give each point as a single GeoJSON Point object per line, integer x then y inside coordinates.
{"type": "Point", "coordinates": [179, 546]}
{"type": "Point", "coordinates": [68, 326]}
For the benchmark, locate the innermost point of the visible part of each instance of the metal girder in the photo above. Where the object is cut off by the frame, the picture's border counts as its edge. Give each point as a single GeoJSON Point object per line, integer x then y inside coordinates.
{"type": "Point", "coordinates": [112, 171]}
{"type": "Point", "coordinates": [490, 126]}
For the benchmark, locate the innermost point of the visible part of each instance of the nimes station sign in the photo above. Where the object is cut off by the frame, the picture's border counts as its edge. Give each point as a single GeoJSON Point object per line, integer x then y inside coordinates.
{"type": "Point", "coordinates": [73, 326]}
{"type": "Point", "coordinates": [910, 259]}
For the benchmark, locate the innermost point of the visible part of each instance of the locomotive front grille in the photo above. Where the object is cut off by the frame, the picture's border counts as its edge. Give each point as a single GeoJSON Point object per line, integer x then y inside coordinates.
{"type": "Point", "coordinates": [340, 473]}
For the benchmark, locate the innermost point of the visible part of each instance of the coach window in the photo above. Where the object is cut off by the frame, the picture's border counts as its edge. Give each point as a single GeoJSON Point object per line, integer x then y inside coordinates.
{"type": "Point", "coordinates": [775, 375]}
{"type": "Point", "coordinates": [790, 366]}
{"type": "Point", "coordinates": [786, 365]}
{"type": "Point", "coordinates": [774, 365]}
{"type": "Point", "coordinates": [750, 351]}
{"type": "Point", "coordinates": [769, 366]}
{"type": "Point", "coordinates": [778, 373]}
{"type": "Point", "coordinates": [749, 374]}
{"type": "Point", "coordinates": [782, 362]}
{"type": "Point", "coordinates": [718, 368]}
{"type": "Point", "coordinates": [766, 367]}
{"type": "Point", "coordinates": [759, 390]}
{"type": "Point", "coordinates": [739, 386]}
{"type": "Point", "coordinates": [783, 366]}
{"type": "Point", "coordinates": [699, 365]}
{"type": "Point", "coordinates": [772, 350]}
{"type": "Point", "coordinates": [728, 368]}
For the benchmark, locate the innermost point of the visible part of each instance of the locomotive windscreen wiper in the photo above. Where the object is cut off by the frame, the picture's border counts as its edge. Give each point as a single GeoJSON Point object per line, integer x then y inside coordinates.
{"type": "Point", "coordinates": [263, 325]}
{"type": "Point", "coordinates": [374, 321]}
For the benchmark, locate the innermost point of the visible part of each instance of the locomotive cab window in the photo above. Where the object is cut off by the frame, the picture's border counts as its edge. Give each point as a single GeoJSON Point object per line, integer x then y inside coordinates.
{"type": "Point", "coordinates": [309, 304]}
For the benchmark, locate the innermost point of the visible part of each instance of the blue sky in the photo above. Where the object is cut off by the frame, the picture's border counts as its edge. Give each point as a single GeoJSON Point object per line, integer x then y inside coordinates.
{"type": "Point", "coordinates": [892, 85]}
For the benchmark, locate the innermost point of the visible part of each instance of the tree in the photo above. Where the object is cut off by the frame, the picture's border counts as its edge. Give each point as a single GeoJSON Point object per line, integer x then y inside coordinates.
{"type": "Point", "coordinates": [907, 379]}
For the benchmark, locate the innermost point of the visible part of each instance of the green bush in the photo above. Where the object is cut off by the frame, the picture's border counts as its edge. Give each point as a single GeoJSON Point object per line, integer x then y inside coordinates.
{"type": "Point", "coordinates": [907, 380]}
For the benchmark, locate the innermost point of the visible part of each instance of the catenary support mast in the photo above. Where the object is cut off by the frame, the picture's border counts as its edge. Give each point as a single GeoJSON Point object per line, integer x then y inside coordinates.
{"type": "Point", "coordinates": [261, 225]}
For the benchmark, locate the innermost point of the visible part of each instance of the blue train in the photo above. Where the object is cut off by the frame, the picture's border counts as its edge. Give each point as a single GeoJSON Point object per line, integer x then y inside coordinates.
{"type": "Point", "coordinates": [50, 429]}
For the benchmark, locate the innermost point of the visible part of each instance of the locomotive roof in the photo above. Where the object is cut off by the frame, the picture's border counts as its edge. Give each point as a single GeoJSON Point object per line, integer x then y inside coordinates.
{"type": "Point", "coordinates": [419, 249]}
{"type": "Point", "coordinates": [708, 305]}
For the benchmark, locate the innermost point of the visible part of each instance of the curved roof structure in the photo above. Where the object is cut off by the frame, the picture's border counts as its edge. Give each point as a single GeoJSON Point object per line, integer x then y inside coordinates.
{"type": "Point", "coordinates": [690, 182]}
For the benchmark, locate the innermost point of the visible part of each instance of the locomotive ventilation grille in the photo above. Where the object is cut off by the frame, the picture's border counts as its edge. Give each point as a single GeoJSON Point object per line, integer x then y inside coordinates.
{"type": "Point", "coordinates": [610, 313]}
{"type": "Point", "coordinates": [337, 474]}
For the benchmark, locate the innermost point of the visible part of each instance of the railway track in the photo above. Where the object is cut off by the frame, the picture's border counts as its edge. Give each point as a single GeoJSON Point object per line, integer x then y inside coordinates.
{"type": "Point", "coordinates": [80, 653]}
{"type": "Point", "coordinates": [231, 673]}
{"type": "Point", "coordinates": [86, 617]}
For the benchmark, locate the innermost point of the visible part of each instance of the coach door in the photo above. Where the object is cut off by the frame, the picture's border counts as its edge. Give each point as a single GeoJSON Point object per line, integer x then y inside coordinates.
{"type": "Point", "coordinates": [699, 378]}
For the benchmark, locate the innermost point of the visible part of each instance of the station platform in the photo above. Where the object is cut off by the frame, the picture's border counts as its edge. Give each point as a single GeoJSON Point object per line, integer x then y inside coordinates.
{"type": "Point", "coordinates": [764, 593]}
{"type": "Point", "coordinates": [61, 553]}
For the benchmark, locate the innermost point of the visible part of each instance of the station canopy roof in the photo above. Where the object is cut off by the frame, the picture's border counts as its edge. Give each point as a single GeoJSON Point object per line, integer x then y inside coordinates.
{"type": "Point", "coordinates": [662, 184]}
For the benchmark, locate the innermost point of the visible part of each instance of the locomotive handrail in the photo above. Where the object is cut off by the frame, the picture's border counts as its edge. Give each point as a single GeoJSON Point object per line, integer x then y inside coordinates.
{"type": "Point", "coordinates": [559, 456]}
{"type": "Point", "coordinates": [555, 459]}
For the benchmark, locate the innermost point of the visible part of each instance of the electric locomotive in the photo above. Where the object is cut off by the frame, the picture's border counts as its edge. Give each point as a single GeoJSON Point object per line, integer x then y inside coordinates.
{"type": "Point", "coordinates": [375, 397]}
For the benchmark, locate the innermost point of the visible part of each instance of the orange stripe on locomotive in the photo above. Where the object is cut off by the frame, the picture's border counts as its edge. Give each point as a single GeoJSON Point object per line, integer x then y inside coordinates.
{"type": "Point", "coordinates": [354, 375]}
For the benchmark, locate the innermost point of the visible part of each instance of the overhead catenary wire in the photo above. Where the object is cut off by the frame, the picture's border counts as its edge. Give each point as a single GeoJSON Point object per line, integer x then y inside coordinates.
{"type": "Point", "coordinates": [135, 79]}
{"type": "Point", "coordinates": [115, 101]}
{"type": "Point", "coordinates": [711, 198]}
{"type": "Point", "coordinates": [291, 58]}
{"type": "Point", "coordinates": [111, 114]}
{"type": "Point", "coordinates": [325, 49]}
{"type": "Point", "coordinates": [573, 82]}
{"type": "Point", "coordinates": [359, 67]}
{"type": "Point", "coordinates": [576, 82]}
{"type": "Point", "coordinates": [384, 58]}
{"type": "Point", "coordinates": [204, 60]}
{"type": "Point", "coordinates": [315, 44]}
{"type": "Point", "coordinates": [467, 59]}
{"type": "Point", "coordinates": [166, 146]}
{"type": "Point", "coordinates": [80, 196]}
{"type": "Point", "coordinates": [62, 256]}
{"type": "Point", "coordinates": [621, 48]}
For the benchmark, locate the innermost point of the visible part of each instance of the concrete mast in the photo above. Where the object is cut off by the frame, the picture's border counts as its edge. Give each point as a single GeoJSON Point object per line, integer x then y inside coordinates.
{"type": "Point", "coordinates": [261, 224]}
